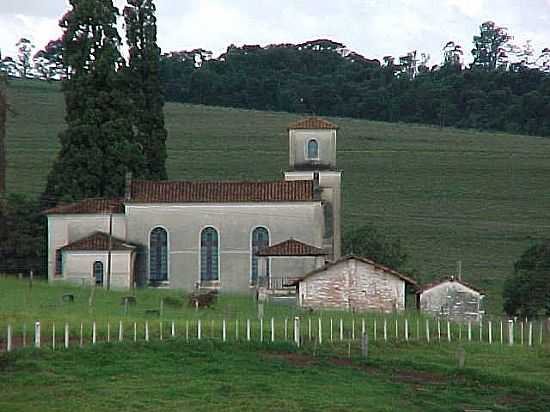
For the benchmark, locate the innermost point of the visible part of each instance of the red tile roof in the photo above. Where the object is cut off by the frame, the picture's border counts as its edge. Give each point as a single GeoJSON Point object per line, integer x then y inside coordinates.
{"type": "Point", "coordinates": [220, 192]}
{"type": "Point", "coordinates": [292, 247]}
{"type": "Point", "coordinates": [312, 123]}
{"type": "Point", "coordinates": [100, 206]}
{"type": "Point", "coordinates": [448, 279]}
{"type": "Point", "coordinates": [98, 241]}
{"type": "Point", "coordinates": [386, 269]}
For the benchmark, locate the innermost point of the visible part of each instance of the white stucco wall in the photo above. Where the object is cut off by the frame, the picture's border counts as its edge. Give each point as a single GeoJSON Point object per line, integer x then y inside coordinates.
{"type": "Point", "coordinates": [235, 222]}
{"type": "Point", "coordinates": [78, 268]}
{"type": "Point", "coordinates": [453, 300]}
{"type": "Point", "coordinates": [65, 229]}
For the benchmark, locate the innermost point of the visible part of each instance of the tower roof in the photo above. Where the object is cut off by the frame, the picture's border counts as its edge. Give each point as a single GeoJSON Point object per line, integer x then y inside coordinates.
{"type": "Point", "coordinates": [312, 123]}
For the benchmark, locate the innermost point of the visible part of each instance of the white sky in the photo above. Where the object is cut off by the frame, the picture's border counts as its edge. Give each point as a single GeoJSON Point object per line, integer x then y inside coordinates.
{"type": "Point", "coordinates": [374, 28]}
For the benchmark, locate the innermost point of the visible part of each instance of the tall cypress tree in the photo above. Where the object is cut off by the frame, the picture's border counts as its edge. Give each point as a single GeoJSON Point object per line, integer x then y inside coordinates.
{"type": "Point", "coordinates": [143, 76]}
{"type": "Point", "coordinates": [98, 146]}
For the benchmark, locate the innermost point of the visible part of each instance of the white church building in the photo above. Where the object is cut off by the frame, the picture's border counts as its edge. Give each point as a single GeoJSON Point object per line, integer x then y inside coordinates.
{"type": "Point", "coordinates": [221, 235]}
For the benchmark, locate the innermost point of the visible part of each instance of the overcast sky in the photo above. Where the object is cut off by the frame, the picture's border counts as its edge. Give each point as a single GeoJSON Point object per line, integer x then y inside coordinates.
{"type": "Point", "coordinates": [374, 28]}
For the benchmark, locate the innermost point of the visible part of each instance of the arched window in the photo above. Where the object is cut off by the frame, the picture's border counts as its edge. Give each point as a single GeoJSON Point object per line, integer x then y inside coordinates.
{"type": "Point", "coordinates": [260, 240]}
{"type": "Point", "coordinates": [312, 149]}
{"type": "Point", "coordinates": [98, 272]}
{"type": "Point", "coordinates": [209, 255]}
{"type": "Point", "coordinates": [158, 255]}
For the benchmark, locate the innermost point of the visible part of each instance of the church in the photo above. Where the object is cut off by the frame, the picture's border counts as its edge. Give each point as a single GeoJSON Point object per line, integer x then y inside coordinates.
{"type": "Point", "coordinates": [214, 235]}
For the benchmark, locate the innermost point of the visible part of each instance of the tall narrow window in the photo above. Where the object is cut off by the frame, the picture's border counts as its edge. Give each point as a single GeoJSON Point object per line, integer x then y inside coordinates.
{"type": "Point", "coordinates": [98, 273]}
{"type": "Point", "coordinates": [209, 255]}
{"type": "Point", "coordinates": [58, 263]}
{"type": "Point", "coordinates": [260, 240]}
{"type": "Point", "coordinates": [312, 149]}
{"type": "Point", "coordinates": [158, 255]}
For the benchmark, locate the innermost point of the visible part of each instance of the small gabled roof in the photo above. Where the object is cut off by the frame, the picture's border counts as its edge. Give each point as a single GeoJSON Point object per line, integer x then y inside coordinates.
{"type": "Point", "coordinates": [98, 241]}
{"type": "Point", "coordinates": [386, 269]}
{"type": "Point", "coordinates": [448, 279]}
{"type": "Point", "coordinates": [292, 247]}
{"type": "Point", "coordinates": [312, 123]}
{"type": "Point", "coordinates": [99, 205]}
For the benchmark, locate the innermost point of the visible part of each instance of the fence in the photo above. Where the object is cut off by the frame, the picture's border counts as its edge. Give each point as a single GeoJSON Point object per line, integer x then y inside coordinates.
{"type": "Point", "coordinates": [298, 330]}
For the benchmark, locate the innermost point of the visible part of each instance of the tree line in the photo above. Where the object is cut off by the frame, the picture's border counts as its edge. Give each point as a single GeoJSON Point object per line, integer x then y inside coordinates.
{"type": "Point", "coordinates": [506, 87]}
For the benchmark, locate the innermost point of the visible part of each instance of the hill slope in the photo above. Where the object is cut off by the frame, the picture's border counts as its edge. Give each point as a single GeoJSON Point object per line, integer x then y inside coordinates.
{"type": "Point", "coordinates": [448, 194]}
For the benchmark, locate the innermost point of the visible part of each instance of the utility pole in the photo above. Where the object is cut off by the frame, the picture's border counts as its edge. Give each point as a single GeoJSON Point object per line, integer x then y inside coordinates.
{"type": "Point", "coordinates": [109, 254]}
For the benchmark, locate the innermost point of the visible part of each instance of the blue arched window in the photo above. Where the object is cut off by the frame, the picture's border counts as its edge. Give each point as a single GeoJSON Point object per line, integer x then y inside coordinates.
{"type": "Point", "coordinates": [98, 273]}
{"type": "Point", "coordinates": [260, 240]}
{"type": "Point", "coordinates": [209, 255]}
{"type": "Point", "coordinates": [312, 149]}
{"type": "Point", "coordinates": [158, 255]}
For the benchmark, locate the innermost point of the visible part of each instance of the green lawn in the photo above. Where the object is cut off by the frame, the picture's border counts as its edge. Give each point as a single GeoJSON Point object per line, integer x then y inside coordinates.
{"type": "Point", "coordinates": [448, 194]}
{"type": "Point", "coordinates": [207, 375]}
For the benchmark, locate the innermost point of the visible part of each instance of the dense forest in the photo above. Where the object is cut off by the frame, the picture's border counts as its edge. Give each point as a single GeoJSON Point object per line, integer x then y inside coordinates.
{"type": "Point", "coordinates": [506, 87]}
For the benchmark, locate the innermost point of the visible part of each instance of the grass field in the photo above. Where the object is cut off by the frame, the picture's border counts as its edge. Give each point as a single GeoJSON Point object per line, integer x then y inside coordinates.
{"type": "Point", "coordinates": [208, 375]}
{"type": "Point", "coordinates": [448, 194]}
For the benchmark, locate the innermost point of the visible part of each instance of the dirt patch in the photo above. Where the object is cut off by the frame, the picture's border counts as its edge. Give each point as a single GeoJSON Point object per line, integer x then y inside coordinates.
{"type": "Point", "coordinates": [295, 359]}
{"type": "Point", "coordinates": [418, 377]}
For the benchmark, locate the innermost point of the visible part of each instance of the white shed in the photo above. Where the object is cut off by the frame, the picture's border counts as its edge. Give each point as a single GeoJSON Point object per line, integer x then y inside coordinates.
{"type": "Point", "coordinates": [451, 298]}
{"type": "Point", "coordinates": [354, 283]}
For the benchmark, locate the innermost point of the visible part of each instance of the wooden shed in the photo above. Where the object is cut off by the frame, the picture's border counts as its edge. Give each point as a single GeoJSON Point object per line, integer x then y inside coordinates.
{"type": "Point", "coordinates": [354, 283]}
{"type": "Point", "coordinates": [451, 298]}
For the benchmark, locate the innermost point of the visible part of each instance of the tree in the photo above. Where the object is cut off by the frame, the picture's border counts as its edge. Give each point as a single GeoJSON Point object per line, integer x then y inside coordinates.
{"type": "Point", "coordinates": [368, 242]}
{"type": "Point", "coordinates": [527, 292]}
{"type": "Point", "coordinates": [49, 61]}
{"type": "Point", "coordinates": [24, 57]}
{"type": "Point", "coordinates": [98, 146]}
{"type": "Point", "coordinates": [3, 119]}
{"type": "Point", "coordinates": [143, 76]}
{"type": "Point", "coordinates": [490, 46]}
{"type": "Point", "coordinates": [452, 56]}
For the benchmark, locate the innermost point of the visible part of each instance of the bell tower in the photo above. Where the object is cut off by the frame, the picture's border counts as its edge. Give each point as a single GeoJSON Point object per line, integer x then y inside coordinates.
{"type": "Point", "coordinates": [312, 156]}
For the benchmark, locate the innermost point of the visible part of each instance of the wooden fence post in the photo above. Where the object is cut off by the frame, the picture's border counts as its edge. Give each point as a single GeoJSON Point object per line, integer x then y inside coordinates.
{"type": "Point", "coordinates": [248, 330]}
{"type": "Point", "coordinates": [199, 329]}
{"type": "Point", "coordinates": [353, 329]}
{"type": "Point", "coordinates": [37, 335]}
{"type": "Point", "coordinates": [286, 329]}
{"type": "Point", "coordinates": [146, 331]}
{"type": "Point", "coordinates": [66, 335]}
{"type": "Point", "coordinates": [309, 329]}
{"type": "Point", "coordinates": [160, 326]}
{"type": "Point", "coordinates": [469, 331]}
{"type": "Point", "coordinates": [406, 330]}
{"type": "Point", "coordinates": [108, 331]}
{"type": "Point", "coordinates": [439, 330]}
{"type": "Point", "coordinates": [481, 331]}
{"type": "Point", "coordinates": [530, 338]}
{"type": "Point", "coordinates": [374, 329]}
{"type": "Point", "coordinates": [187, 330]}
{"type": "Point", "coordinates": [341, 330]}
{"type": "Point", "coordinates": [428, 330]}
{"type": "Point", "coordinates": [521, 331]}
{"type": "Point", "coordinates": [272, 330]}
{"type": "Point", "coordinates": [297, 331]}
{"type": "Point", "coordinates": [540, 334]}
{"type": "Point", "coordinates": [24, 335]}
{"type": "Point", "coordinates": [362, 327]}
{"type": "Point", "coordinates": [173, 329]}
{"type": "Point", "coordinates": [510, 332]}
{"type": "Point", "coordinates": [120, 331]}
{"type": "Point", "coordinates": [320, 331]}
{"type": "Point", "coordinates": [53, 336]}
{"type": "Point", "coordinates": [261, 329]}
{"type": "Point", "coordinates": [81, 334]}
{"type": "Point", "coordinates": [331, 329]}
{"type": "Point", "coordinates": [448, 331]}
{"type": "Point", "coordinates": [418, 330]}
{"type": "Point", "coordinates": [94, 333]}
{"type": "Point", "coordinates": [365, 346]}
{"type": "Point", "coordinates": [490, 329]}
{"type": "Point", "coordinates": [224, 331]}
{"type": "Point", "coordinates": [135, 331]}
{"type": "Point", "coordinates": [396, 329]}
{"type": "Point", "coordinates": [385, 330]}
{"type": "Point", "coordinates": [8, 345]}
{"type": "Point", "coordinates": [501, 334]}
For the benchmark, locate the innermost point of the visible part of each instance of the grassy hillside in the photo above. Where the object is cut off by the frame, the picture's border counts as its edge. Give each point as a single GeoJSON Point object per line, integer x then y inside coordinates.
{"type": "Point", "coordinates": [448, 194]}
{"type": "Point", "coordinates": [203, 376]}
